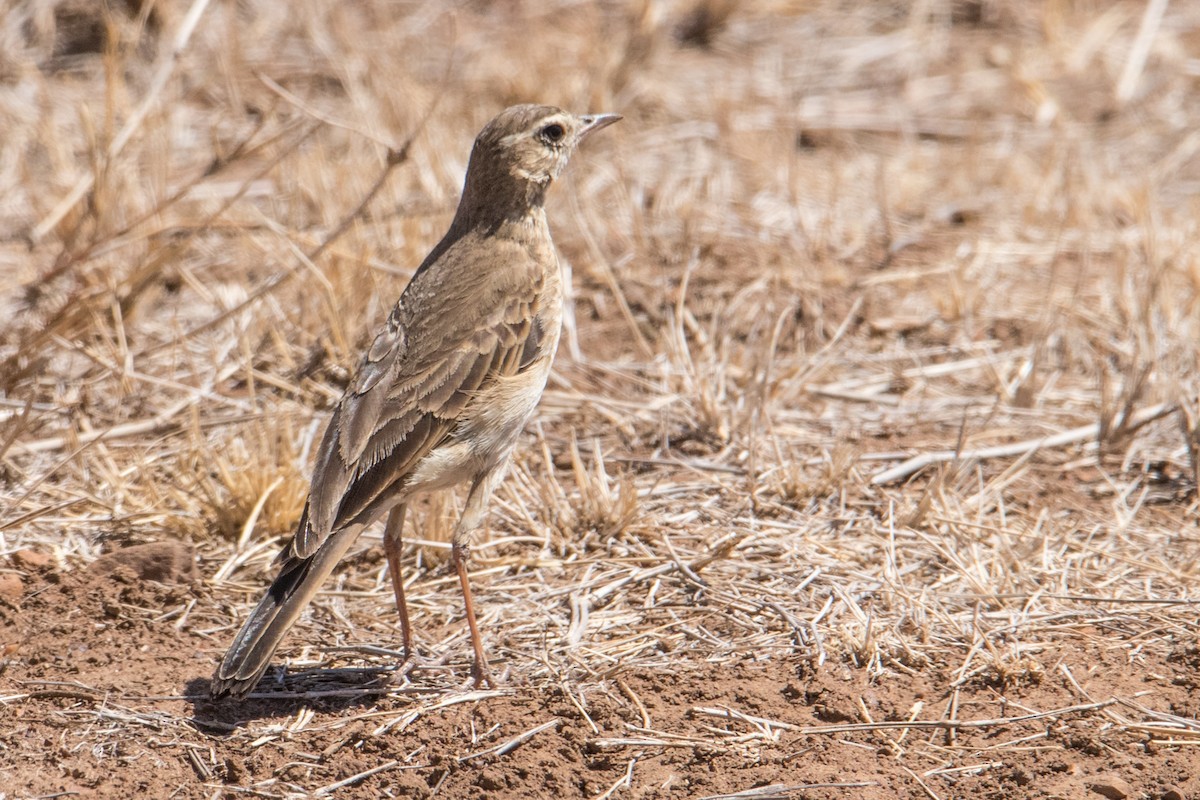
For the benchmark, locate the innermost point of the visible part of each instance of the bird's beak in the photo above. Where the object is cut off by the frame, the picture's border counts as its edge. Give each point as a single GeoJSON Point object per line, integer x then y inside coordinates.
{"type": "Point", "coordinates": [594, 122]}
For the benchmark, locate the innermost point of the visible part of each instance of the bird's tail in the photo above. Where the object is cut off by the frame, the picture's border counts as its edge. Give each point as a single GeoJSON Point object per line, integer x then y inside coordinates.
{"type": "Point", "coordinates": [299, 579]}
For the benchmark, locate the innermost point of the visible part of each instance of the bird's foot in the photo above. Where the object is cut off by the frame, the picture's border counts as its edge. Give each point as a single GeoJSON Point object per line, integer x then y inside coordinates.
{"type": "Point", "coordinates": [481, 676]}
{"type": "Point", "coordinates": [402, 674]}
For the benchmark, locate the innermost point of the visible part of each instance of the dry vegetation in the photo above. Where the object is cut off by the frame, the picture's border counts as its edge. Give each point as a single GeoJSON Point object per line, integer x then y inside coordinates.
{"type": "Point", "coordinates": [868, 468]}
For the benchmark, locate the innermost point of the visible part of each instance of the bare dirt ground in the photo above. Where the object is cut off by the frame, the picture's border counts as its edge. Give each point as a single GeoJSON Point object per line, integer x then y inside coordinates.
{"type": "Point", "coordinates": [868, 467]}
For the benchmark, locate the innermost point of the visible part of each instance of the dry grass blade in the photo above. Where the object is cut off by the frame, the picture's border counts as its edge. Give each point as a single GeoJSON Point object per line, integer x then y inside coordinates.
{"type": "Point", "coordinates": [162, 74]}
{"type": "Point", "coordinates": [958, 724]}
{"type": "Point", "coordinates": [1025, 448]}
{"type": "Point", "coordinates": [779, 791]}
{"type": "Point", "coordinates": [513, 743]}
{"type": "Point", "coordinates": [331, 788]}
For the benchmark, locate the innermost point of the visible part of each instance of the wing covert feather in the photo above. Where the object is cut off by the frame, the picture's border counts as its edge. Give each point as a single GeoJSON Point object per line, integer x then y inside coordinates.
{"type": "Point", "coordinates": [412, 386]}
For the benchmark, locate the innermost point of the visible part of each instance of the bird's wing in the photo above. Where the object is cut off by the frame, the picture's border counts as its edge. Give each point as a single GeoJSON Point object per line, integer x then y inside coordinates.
{"type": "Point", "coordinates": [441, 345]}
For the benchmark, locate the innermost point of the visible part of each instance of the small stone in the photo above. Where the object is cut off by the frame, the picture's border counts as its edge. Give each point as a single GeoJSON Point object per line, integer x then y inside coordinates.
{"type": "Point", "coordinates": [1111, 786]}
{"type": "Point", "coordinates": [1173, 794]}
{"type": "Point", "coordinates": [491, 780]}
{"type": "Point", "coordinates": [31, 559]}
{"type": "Point", "coordinates": [11, 587]}
{"type": "Point", "coordinates": [164, 562]}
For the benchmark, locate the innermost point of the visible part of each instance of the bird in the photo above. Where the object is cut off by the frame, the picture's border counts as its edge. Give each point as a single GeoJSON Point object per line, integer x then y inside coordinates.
{"type": "Point", "coordinates": [444, 390]}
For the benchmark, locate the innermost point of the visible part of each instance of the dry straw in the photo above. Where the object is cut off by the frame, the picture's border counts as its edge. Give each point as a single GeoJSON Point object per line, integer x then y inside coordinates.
{"type": "Point", "coordinates": [882, 351]}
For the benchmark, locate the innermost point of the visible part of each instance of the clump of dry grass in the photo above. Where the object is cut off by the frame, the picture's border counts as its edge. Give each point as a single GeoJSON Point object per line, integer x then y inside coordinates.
{"type": "Point", "coordinates": [795, 482]}
{"type": "Point", "coordinates": [250, 484]}
{"type": "Point", "coordinates": [598, 508]}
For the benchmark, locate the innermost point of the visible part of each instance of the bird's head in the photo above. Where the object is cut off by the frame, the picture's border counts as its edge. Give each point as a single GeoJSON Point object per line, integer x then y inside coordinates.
{"type": "Point", "coordinates": [520, 152]}
{"type": "Point", "coordinates": [534, 143]}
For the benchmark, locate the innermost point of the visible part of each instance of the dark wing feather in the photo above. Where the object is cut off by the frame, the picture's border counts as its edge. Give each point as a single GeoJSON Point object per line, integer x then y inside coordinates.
{"type": "Point", "coordinates": [411, 388]}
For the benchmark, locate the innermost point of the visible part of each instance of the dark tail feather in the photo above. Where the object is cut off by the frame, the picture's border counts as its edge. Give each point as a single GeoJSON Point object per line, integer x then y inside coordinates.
{"type": "Point", "coordinates": [297, 584]}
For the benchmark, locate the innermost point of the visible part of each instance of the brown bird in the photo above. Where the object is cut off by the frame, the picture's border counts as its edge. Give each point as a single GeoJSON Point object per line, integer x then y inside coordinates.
{"type": "Point", "coordinates": [446, 387]}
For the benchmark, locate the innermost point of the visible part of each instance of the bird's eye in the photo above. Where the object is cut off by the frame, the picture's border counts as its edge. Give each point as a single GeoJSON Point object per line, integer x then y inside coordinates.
{"type": "Point", "coordinates": [553, 133]}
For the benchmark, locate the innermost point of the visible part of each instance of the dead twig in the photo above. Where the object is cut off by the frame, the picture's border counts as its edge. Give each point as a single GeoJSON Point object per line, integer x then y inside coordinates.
{"type": "Point", "coordinates": [513, 743]}
{"type": "Point", "coordinates": [1023, 448]}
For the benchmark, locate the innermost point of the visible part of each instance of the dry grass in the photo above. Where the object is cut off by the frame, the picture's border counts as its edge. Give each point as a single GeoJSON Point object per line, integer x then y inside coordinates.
{"type": "Point", "coordinates": [828, 239]}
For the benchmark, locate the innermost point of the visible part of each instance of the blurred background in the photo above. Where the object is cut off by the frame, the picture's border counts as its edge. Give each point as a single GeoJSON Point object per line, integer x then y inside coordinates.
{"type": "Point", "coordinates": [882, 353]}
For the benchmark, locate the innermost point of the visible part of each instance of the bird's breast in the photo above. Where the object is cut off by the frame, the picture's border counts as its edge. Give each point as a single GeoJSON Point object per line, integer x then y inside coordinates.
{"type": "Point", "coordinates": [499, 412]}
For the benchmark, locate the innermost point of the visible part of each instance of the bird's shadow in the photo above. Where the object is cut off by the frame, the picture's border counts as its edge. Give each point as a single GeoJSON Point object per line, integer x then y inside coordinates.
{"type": "Point", "coordinates": [282, 694]}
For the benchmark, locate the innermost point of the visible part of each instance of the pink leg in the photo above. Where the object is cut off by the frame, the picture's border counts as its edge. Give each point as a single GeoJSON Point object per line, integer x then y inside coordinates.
{"type": "Point", "coordinates": [393, 536]}
{"type": "Point", "coordinates": [471, 520]}
{"type": "Point", "coordinates": [479, 669]}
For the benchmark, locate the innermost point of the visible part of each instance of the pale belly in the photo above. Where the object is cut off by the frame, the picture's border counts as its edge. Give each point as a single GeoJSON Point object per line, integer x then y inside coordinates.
{"type": "Point", "coordinates": [491, 426]}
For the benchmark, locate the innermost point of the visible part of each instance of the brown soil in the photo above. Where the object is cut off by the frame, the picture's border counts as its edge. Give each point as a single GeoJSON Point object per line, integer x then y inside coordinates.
{"type": "Point", "coordinates": [867, 468]}
{"type": "Point", "coordinates": [90, 648]}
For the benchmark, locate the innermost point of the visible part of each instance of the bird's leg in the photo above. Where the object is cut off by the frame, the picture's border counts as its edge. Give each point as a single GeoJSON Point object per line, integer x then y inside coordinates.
{"type": "Point", "coordinates": [393, 536]}
{"type": "Point", "coordinates": [471, 519]}
{"type": "Point", "coordinates": [479, 669]}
